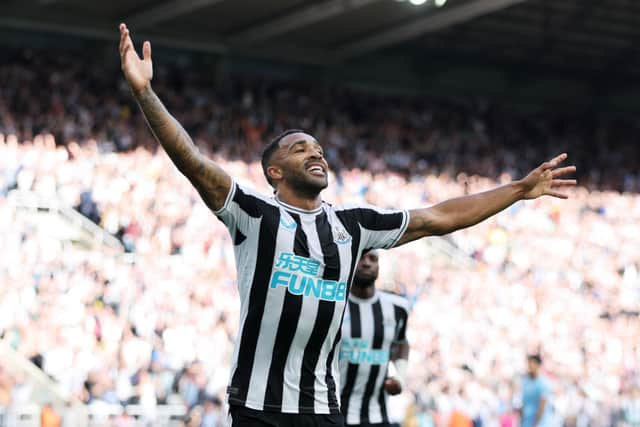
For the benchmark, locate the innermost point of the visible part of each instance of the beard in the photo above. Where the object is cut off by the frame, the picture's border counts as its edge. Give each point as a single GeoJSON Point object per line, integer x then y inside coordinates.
{"type": "Point", "coordinates": [363, 282]}
{"type": "Point", "coordinates": [305, 185]}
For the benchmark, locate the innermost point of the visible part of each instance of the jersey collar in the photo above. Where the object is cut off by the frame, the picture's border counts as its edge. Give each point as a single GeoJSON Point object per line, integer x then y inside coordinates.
{"type": "Point", "coordinates": [298, 210]}
{"type": "Point", "coordinates": [371, 300]}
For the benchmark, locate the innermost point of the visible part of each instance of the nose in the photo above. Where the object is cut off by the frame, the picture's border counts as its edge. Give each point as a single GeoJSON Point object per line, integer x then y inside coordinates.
{"type": "Point", "coordinates": [316, 155]}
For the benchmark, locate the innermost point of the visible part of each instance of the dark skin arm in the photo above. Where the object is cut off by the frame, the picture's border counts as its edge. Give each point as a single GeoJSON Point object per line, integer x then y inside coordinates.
{"type": "Point", "coordinates": [207, 177]}
{"type": "Point", "coordinates": [399, 351]}
{"type": "Point", "coordinates": [463, 212]}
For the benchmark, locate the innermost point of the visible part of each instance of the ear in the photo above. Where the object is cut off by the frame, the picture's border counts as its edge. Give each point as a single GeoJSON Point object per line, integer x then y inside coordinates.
{"type": "Point", "coordinates": [275, 173]}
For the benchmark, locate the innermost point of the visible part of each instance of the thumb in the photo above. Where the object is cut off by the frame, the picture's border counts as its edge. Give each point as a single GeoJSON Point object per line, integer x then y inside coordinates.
{"type": "Point", "coordinates": [146, 51]}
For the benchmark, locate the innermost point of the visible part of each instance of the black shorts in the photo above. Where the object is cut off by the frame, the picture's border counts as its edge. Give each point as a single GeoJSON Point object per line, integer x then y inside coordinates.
{"type": "Point", "coordinates": [245, 417]}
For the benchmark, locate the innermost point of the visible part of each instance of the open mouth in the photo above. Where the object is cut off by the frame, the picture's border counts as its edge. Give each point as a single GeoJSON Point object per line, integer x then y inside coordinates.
{"type": "Point", "coordinates": [316, 170]}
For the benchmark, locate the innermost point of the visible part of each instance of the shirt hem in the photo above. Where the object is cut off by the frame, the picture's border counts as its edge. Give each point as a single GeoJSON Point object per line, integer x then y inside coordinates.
{"type": "Point", "coordinates": [284, 410]}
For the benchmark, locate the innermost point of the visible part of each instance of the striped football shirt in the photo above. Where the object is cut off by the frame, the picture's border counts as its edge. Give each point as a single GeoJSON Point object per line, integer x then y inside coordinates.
{"type": "Point", "coordinates": [295, 269]}
{"type": "Point", "coordinates": [371, 326]}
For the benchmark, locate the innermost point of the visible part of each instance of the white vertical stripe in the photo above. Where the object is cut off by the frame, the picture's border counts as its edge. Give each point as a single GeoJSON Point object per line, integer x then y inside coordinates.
{"type": "Point", "coordinates": [308, 313]}
{"type": "Point", "coordinates": [246, 258]}
{"type": "Point", "coordinates": [321, 390]}
{"type": "Point", "coordinates": [346, 333]}
{"type": "Point", "coordinates": [268, 327]}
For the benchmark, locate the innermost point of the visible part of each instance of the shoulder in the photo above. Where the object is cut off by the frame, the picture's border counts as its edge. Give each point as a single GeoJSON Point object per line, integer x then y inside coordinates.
{"type": "Point", "coordinates": [395, 299]}
{"type": "Point", "coordinates": [248, 199]}
{"type": "Point", "coordinates": [544, 383]}
{"type": "Point", "coordinates": [360, 207]}
{"type": "Point", "coordinates": [247, 190]}
{"type": "Point", "coordinates": [346, 207]}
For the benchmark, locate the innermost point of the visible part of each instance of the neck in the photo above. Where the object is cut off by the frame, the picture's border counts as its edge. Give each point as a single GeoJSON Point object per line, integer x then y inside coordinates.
{"type": "Point", "coordinates": [302, 201]}
{"type": "Point", "coordinates": [364, 292]}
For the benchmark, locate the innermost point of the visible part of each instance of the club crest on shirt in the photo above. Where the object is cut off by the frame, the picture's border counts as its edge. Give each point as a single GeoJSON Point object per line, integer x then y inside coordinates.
{"type": "Point", "coordinates": [340, 235]}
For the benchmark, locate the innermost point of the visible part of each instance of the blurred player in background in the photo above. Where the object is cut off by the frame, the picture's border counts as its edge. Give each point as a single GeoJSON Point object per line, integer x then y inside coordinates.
{"type": "Point", "coordinates": [536, 408]}
{"type": "Point", "coordinates": [373, 334]}
{"type": "Point", "coordinates": [296, 256]}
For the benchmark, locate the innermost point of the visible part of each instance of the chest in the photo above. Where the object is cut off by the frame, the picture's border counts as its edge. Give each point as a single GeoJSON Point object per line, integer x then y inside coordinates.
{"type": "Point", "coordinates": [363, 328]}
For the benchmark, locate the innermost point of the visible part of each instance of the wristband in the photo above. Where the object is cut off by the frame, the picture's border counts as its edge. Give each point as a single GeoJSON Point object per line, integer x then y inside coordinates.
{"type": "Point", "coordinates": [400, 366]}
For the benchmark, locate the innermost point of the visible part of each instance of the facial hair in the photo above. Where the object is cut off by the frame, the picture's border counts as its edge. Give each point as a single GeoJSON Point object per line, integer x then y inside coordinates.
{"type": "Point", "coordinates": [361, 282]}
{"type": "Point", "coordinates": [305, 186]}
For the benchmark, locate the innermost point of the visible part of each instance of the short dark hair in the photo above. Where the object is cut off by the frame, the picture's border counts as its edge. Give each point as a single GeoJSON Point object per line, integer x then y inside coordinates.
{"type": "Point", "coordinates": [271, 148]}
{"type": "Point", "coordinates": [536, 358]}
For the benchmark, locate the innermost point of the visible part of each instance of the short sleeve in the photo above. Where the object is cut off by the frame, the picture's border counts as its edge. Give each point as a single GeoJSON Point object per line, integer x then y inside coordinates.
{"type": "Point", "coordinates": [226, 213]}
{"type": "Point", "coordinates": [380, 228]}
{"type": "Point", "coordinates": [401, 335]}
{"type": "Point", "coordinates": [241, 205]}
{"type": "Point", "coordinates": [545, 389]}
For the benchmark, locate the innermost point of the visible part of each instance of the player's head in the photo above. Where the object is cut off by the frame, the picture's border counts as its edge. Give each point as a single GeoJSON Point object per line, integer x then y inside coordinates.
{"type": "Point", "coordinates": [367, 270]}
{"type": "Point", "coordinates": [534, 361]}
{"type": "Point", "coordinates": [296, 159]}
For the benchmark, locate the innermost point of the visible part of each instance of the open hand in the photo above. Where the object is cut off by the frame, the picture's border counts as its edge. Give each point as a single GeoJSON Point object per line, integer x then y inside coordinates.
{"type": "Point", "coordinates": [138, 72]}
{"type": "Point", "coordinates": [543, 180]}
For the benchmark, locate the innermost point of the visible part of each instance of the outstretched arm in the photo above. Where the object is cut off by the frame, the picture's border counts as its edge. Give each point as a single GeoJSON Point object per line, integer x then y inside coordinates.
{"type": "Point", "coordinates": [463, 212]}
{"type": "Point", "coordinates": [207, 177]}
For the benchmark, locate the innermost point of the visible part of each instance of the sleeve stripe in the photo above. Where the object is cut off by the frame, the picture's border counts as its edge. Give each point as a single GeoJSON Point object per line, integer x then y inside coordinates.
{"type": "Point", "coordinates": [403, 228]}
{"type": "Point", "coordinates": [227, 201]}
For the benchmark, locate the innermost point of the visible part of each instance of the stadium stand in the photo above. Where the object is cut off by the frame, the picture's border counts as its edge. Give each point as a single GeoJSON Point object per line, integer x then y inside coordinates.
{"type": "Point", "coordinates": [143, 332]}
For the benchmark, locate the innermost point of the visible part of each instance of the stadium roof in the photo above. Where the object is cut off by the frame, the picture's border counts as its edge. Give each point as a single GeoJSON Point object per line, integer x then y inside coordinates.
{"type": "Point", "coordinates": [590, 45]}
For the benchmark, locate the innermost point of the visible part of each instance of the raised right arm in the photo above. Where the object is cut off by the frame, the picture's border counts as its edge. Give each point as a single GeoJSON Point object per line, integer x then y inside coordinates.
{"type": "Point", "coordinates": [211, 181]}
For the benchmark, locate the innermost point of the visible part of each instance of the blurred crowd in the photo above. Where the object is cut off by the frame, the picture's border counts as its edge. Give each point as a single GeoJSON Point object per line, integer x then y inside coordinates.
{"type": "Point", "coordinates": [157, 323]}
{"type": "Point", "coordinates": [232, 114]}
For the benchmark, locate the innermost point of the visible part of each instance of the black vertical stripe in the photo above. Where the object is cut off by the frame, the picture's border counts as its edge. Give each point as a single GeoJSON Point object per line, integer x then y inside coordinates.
{"type": "Point", "coordinates": [257, 297]}
{"type": "Point", "coordinates": [382, 401]}
{"type": "Point", "coordinates": [378, 339]}
{"type": "Point", "coordinates": [352, 368]}
{"type": "Point", "coordinates": [356, 325]}
{"type": "Point", "coordinates": [323, 317]}
{"type": "Point", "coordinates": [378, 331]}
{"type": "Point", "coordinates": [331, 383]}
{"type": "Point", "coordinates": [291, 309]}
{"type": "Point", "coordinates": [401, 323]}
{"type": "Point", "coordinates": [350, 223]}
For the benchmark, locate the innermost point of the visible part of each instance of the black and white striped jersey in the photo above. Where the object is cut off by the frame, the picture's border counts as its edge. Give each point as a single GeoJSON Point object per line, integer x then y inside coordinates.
{"type": "Point", "coordinates": [294, 271]}
{"type": "Point", "coordinates": [370, 328]}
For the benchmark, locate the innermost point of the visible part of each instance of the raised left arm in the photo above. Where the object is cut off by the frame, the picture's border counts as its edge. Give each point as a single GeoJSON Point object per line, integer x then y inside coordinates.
{"type": "Point", "coordinates": [463, 212]}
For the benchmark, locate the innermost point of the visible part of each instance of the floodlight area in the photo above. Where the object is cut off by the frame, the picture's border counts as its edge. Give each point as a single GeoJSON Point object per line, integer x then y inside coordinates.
{"type": "Point", "coordinates": [436, 3]}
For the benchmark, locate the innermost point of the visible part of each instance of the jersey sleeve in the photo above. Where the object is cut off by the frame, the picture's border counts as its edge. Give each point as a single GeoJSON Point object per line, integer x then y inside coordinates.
{"type": "Point", "coordinates": [379, 228]}
{"type": "Point", "coordinates": [241, 205]}
{"type": "Point", "coordinates": [402, 316]}
{"type": "Point", "coordinates": [545, 389]}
